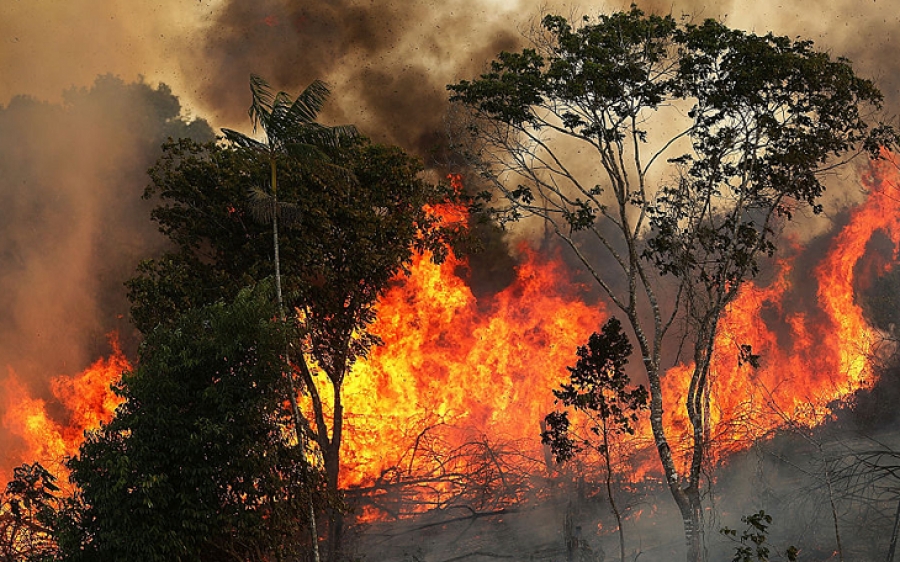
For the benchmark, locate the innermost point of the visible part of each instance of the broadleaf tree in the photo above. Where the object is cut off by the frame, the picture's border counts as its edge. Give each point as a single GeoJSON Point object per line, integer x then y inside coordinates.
{"type": "Point", "coordinates": [667, 155]}
{"type": "Point", "coordinates": [199, 462]}
{"type": "Point", "coordinates": [601, 391]}
{"type": "Point", "coordinates": [358, 213]}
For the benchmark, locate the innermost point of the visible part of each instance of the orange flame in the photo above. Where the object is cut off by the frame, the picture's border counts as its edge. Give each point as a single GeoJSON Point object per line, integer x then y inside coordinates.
{"type": "Point", "coordinates": [491, 366]}
{"type": "Point", "coordinates": [483, 369]}
{"type": "Point", "coordinates": [815, 358]}
{"type": "Point", "coordinates": [86, 401]}
{"type": "Point", "coordinates": [450, 359]}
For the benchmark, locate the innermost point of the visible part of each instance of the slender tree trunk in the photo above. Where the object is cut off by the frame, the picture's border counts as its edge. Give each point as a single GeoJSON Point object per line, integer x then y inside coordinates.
{"type": "Point", "coordinates": [607, 456]}
{"type": "Point", "coordinates": [693, 526]}
{"type": "Point", "coordinates": [332, 472]}
{"type": "Point", "coordinates": [686, 497]}
{"type": "Point", "coordinates": [292, 387]}
{"type": "Point", "coordinates": [834, 514]}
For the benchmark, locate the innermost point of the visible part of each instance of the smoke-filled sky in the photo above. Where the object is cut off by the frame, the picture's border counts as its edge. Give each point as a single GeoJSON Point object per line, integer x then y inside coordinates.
{"type": "Point", "coordinates": [387, 60]}
{"type": "Point", "coordinates": [73, 149]}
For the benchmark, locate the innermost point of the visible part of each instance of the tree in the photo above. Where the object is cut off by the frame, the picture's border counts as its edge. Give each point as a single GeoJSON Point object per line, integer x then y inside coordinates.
{"type": "Point", "coordinates": [199, 462]}
{"type": "Point", "coordinates": [354, 227]}
{"type": "Point", "coordinates": [291, 130]}
{"type": "Point", "coordinates": [666, 155]}
{"type": "Point", "coordinates": [598, 387]}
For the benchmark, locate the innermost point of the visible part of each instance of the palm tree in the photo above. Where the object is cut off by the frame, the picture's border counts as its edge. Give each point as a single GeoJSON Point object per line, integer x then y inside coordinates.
{"type": "Point", "coordinates": [290, 131]}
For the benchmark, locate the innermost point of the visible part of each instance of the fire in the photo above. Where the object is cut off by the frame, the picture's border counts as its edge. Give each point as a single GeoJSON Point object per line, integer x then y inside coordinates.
{"type": "Point", "coordinates": [86, 399]}
{"type": "Point", "coordinates": [449, 359]}
{"type": "Point", "coordinates": [462, 380]}
{"type": "Point", "coordinates": [809, 359]}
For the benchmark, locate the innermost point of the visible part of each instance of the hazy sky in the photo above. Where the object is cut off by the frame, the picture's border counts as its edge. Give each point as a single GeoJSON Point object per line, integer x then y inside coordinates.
{"type": "Point", "coordinates": [376, 53]}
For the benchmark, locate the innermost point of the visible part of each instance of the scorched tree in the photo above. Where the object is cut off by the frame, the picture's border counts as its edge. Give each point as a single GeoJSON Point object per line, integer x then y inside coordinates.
{"type": "Point", "coordinates": [667, 154]}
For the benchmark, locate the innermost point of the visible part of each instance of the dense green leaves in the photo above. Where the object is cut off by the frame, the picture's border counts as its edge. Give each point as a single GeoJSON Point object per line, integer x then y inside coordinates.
{"type": "Point", "coordinates": [199, 462]}
{"type": "Point", "coordinates": [346, 237]}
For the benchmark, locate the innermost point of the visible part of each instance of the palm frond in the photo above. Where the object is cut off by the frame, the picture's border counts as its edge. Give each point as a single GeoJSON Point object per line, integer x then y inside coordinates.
{"type": "Point", "coordinates": [323, 136]}
{"type": "Point", "coordinates": [262, 101]}
{"type": "Point", "coordinates": [263, 207]}
{"type": "Point", "coordinates": [243, 141]}
{"type": "Point", "coordinates": [309, 103]}
{"type": "Point", "coordinates": [345, 132]}
{"type": "Point", "coordinates": [280, 123]}
{"type": "Point", "coordinates": [307, 153]}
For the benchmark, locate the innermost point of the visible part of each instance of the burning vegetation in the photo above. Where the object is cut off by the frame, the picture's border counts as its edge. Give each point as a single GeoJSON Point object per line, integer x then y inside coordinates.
{"type": "Point", "coordinates": [383, 399]}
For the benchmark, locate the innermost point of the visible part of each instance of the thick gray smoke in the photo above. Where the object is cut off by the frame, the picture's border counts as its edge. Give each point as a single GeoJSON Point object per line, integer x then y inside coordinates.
{"type": "Point", "coordinates": [72, 222]}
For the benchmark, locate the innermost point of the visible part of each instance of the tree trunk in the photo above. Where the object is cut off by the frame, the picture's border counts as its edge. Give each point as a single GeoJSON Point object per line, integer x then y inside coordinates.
{"type": "Point", "coordinates": [692, 517]}
{"type": "Point", "coordinates": [332, 459]}
{"type": "Point", "coordinates": [686, 497]}
{"type": "Point", "coordinates": [292, 388]}
{"type": "Point", "coordinates": [607, 457]}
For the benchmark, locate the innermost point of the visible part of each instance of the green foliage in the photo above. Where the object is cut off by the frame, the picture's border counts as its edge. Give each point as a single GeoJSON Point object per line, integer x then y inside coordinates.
{"type": "Point", "coordinates": [765, 115]}
{"type": "Point", "coordinates": [347, 238]}
{"type": "Point", "coordinates": [598, 387]}
{"type": "Point", "coordinates": [752, 544]}
{"type": "Point", "coordinates": [199, 462]}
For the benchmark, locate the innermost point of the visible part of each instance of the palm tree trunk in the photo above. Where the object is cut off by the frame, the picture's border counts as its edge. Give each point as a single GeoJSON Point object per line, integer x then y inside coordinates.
{"type": "Point", "coordinates": [301, 440]}
{"type": "Point", "coordinates": [275, 241]}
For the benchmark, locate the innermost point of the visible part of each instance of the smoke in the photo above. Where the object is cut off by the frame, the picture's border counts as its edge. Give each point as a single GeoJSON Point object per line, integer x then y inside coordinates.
{"type": "Point", "coordinates": [388, 62]}
{"type": "Point", "coordinates": [72, 222]}
{"type": "Point", "coordinates": [72, 225]}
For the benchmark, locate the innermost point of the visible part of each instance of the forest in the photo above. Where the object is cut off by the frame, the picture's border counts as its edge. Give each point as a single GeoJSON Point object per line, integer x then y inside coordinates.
{"type": "Point", "coordinates": [627, 308]}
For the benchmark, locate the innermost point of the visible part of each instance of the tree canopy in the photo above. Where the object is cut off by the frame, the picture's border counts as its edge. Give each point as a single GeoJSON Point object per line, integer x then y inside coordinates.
{"type": "Point", "coordinates": [199, 462]}
{"type": "Point", "coordinates": [667, 154]}
{"type": "Point", "coordinates": [204, 209]}
{"type": "Point", "coordinates": [346, 214]}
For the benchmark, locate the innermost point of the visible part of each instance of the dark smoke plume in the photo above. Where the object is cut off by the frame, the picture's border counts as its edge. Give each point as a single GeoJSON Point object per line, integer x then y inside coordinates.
{"type": "Point", "coordinates": [387, 62]}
